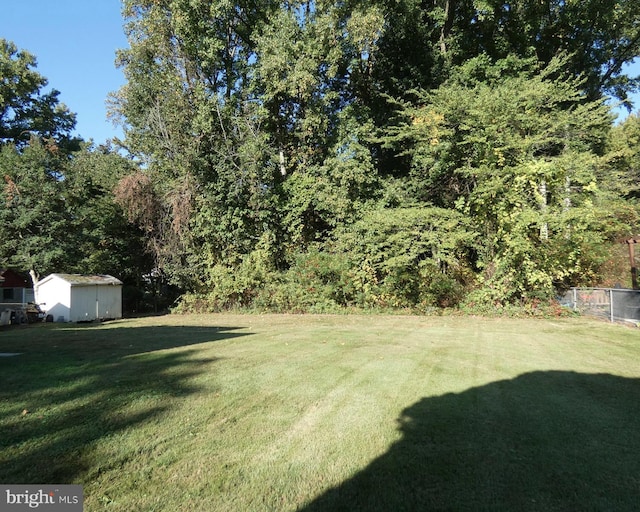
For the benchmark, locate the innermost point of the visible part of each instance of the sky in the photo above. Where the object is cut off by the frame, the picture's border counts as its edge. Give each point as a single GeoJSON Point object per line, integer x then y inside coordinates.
{"type": "Point", "coordinates": [75, 42]}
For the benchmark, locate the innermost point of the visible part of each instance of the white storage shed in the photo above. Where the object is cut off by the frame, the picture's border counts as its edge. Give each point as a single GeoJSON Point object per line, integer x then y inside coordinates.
{"type": "Point", "coordinates": [80, 298]}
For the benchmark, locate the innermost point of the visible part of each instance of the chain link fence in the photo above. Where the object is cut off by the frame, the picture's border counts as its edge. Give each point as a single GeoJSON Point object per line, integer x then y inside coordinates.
{"type": "Point", "coordinates": [613, 304]}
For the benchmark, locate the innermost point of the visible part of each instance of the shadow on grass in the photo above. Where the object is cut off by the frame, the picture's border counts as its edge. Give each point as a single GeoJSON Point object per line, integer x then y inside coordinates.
{"type": "Point", "coordinates": [92, 341]}
{"type": "Point", "coordinates": [542, 441]}
{"type": "Point", "coordinates": [74, 385]}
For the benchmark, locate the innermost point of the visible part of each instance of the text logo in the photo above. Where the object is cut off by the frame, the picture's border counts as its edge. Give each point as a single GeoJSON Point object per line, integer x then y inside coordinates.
{"type": "Point", "coordinates": [47, 498]}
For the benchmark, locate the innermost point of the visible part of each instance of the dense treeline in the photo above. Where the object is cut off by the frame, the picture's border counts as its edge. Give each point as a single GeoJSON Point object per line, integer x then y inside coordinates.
{"type": "Point", "coordinates": [304, 156]}
{"type": "Point", "coordinates": [57, 207]}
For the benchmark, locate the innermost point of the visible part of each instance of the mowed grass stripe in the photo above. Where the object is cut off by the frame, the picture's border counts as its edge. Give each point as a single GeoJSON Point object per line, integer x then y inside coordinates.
{"type": "Point", "coordinates": [279, 412]}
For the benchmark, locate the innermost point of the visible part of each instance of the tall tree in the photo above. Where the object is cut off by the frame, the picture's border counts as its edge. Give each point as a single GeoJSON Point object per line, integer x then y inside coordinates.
{"type": "Point", "coordinates": [235, 108]}
{"type": "Point", "coordinates": [599, 37]}
{"type": "Point", "coordinates": [57, 207]}
{"type": "Point", "coordinates": [59, 214]}
{"type": "Point", "coordinates": [99, 237]}
{"type": "Point", "coordinates": [35, 142]}
{"type": "Point", "coordinates": [624, 158]}
{"type": "Point", "coordinates": [33, 216]}
{"type": "Point", "coordinates": [314, 75]}
{"type": "Point", "coordinates": [190, 120]}
{"type": "Point", "coordinates": [424, 39]}
{"type": "Point", "coordinates": [25, 109]}
{"type": "Point", "coordinates": [255, 126]}
{"type": "Point", "coordinates": [516, 148]}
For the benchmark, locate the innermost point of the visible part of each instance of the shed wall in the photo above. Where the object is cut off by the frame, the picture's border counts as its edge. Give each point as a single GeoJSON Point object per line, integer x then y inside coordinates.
{"type": "Point", "coordinates": [109, 302]}
{"type": "Point", "coordinates": [95, 302]}
{"type": "Point", "coordinates": [55, 298]}
{"type": "Point", "coordinates": [73, 301]}
{"type": "Point", "coordinates": [83, 303]}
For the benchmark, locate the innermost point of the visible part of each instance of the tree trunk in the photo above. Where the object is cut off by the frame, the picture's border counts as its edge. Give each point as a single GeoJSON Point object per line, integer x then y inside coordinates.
{"type": "Point", "coordinates": [34, 277]}
{"type": "Point", "coordinates": [544, 228]}
{"type": "Point", "coordinates": [34, 281]}
{"type": "Point", "coordinates": [446, 26]}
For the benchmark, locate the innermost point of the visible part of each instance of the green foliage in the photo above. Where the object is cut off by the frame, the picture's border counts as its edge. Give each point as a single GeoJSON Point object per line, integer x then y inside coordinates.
{"type": "Point", "coordinates": [333, 194]}
{"type": "Point", "coordinates": [26, 110]}
{"type": "Point", "coordinates": [515, 148]}
{"type": "Point", "coordinates": [57, 209]}
{"type": "Point", "coordinates": [317, 282]}
{"type": "Point", "coordinates": [313, 155]}
{"type": "Point", "coordinates": [623, 158]}
{"type": "Point", "coordinates": [59, 214]}
{"type": "Point", "coordinates": [101, 240]}
{"type": "Point", "coordinates": [33, 214]}
{"type": "Point", "coordinates": [423, 43]}
{"type": "Point", "coordinates": [406, 257]}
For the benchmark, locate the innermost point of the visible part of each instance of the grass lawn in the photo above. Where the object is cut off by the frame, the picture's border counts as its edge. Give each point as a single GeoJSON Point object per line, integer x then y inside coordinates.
{"type": "Point", "coordinates": [314, 413]}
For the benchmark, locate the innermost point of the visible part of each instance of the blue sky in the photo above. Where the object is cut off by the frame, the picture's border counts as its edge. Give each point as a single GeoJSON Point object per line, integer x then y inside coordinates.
{"type": "Point", "coordinates": [75, 42]}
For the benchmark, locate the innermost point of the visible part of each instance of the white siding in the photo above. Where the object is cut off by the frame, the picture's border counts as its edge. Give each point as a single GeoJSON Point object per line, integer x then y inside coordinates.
{"type": "Point", "coordinates": [95, 302]}
{"type": "Point", "coordinates": [54, 295]}
{"type": "Point", "coordinates": [83, 303]}
{"type": "Point", "coordinates": [109, 302]}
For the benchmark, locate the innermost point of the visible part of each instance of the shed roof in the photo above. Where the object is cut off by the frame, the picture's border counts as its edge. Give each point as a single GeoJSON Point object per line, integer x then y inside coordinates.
{"type": "Point", "coordinates": [85, 280]}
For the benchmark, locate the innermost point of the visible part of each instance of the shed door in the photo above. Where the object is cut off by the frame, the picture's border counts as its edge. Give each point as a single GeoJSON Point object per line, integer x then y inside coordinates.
{"type": "Point", "coordinates": [84, 303]}
{"type": "Point", "coordinates": [108, 302]}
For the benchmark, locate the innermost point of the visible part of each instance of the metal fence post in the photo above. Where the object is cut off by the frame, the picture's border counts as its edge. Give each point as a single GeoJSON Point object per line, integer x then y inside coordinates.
{"type": "Point", "coordinates": [611, 303]}
{"type": "Point", "coordinates": [575, 299]}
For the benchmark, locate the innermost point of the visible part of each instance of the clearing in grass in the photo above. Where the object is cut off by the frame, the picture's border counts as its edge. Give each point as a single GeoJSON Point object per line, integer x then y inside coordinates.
{"type": "Point", "coordinates": [278, 412]}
